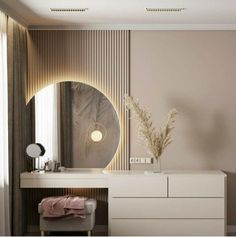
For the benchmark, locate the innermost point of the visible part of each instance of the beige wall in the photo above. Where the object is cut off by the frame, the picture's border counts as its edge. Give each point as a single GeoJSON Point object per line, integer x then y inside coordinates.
{"type": "Point", "coordinates": [194, 71]}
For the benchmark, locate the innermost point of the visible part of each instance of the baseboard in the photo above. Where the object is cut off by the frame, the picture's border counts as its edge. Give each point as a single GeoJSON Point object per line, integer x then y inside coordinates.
{"type": "Point", "coordinates": [231, 230]}
{"type": "Point", "coordinates": [99, 230]}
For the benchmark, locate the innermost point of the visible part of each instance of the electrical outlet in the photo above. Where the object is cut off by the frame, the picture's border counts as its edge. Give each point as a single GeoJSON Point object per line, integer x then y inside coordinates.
{"type": "Point", "coordinates": [141, 160]}
{"type": "Point", "coordinates": [132, 160]}
{"type": "Point", "coordinates": [148, 160]}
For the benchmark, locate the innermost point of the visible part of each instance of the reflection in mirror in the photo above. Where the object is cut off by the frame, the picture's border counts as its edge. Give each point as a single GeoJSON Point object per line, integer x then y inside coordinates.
{"type": "Point", "coordinates": [77, 124]}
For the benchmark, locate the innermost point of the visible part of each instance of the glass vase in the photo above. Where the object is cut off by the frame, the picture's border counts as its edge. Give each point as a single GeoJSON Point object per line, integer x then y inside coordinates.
{"type": "Point", "coordinates": [156, 165]}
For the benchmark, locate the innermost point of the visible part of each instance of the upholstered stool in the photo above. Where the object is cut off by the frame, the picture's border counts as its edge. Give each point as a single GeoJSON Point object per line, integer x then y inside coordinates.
{"type": "Point", "coordinates": [70, 223]}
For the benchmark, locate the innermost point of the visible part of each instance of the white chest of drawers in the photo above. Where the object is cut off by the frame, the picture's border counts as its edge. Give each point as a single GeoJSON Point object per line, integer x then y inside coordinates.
{"type": "Point", "coordinates": [171, 203]}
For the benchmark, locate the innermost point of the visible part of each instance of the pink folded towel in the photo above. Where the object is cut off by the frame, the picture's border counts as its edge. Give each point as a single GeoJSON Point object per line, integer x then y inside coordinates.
{"type": "Point", "coordinates": [63, 206]}
{"type": "Point", "coordinates": [75, 202]}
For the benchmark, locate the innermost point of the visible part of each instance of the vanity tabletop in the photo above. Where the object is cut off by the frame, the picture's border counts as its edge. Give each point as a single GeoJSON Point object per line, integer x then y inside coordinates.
{"type": "Point", "coordinates": [99, 178]}
{"type": "Point", "coordinates": [70, 178]}
{"type": "Point", "coordinates": [68, 173]}
{"type": "Point", "coordinates": [165, 172]}
{"type": "Point", "coordinates": [97, 172]}
{"type": "Point", "coordinates": [104, 174]}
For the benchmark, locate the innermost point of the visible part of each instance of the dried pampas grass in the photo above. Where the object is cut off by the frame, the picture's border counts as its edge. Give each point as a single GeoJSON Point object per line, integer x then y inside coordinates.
{"type": "Point", "coordinates": [156, 141]}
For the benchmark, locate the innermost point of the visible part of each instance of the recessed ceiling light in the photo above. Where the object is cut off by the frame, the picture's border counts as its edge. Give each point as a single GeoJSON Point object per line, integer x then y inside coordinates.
{"type": "Point", "coordinates": [68, 9]}
{"type": "Point", "coordinates": [165, 9]}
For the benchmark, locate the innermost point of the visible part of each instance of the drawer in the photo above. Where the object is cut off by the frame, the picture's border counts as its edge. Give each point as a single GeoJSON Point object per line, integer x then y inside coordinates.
{"type": "Point", "coordinates": [138, 186]}
{"type": "Point", "coordinates": [167, 208]}
{"type": "Point", "coordinates": [194, 185]}
{"type": "Point", "coordinates": [174, 227]}
{"type": "Point", "coordinates": [64, 183]}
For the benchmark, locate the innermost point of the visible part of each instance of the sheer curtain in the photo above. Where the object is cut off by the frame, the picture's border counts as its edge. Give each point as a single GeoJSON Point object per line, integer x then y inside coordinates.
{"type": "Point", "coordinates": [20, 120]}
{"type": "Point", "coordinates": [4, 164]}
{"type": "Point", "coordinates": [46, 122]}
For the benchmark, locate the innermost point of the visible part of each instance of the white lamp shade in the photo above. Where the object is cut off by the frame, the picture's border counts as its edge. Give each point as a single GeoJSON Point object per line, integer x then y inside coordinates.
{"type": "Point", "coordinates": [96, 136]}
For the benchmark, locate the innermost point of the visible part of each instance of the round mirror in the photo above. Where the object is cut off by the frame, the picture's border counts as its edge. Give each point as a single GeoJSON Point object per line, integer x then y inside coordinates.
{"type": "Point", "coordinates": [35, 150]}
{"type": "Point", "coordinates": [77, 124]}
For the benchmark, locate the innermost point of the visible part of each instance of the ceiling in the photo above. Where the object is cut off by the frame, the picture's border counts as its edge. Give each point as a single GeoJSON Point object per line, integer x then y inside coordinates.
{"type": "Point", "coordinates": [208, 14]}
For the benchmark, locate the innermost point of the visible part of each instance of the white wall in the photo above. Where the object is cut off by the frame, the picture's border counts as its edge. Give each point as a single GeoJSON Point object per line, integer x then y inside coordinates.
{"type": "Point", "coordinates": [194, 71]}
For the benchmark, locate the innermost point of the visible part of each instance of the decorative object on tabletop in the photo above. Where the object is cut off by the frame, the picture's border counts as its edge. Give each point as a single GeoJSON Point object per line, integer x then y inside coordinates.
{"type": "Point", "coordinates": [156, 141]}
{"type": "Point", "coordinates": [35, 151]}
{"type": "Point", "coordinates": [52, 165]}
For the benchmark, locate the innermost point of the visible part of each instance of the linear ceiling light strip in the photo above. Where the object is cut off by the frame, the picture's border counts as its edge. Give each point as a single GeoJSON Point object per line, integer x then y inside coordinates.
{"type": "Point", "coordinates": [68, 9]}
{"type": "Point", "coordinates": [165, 9]}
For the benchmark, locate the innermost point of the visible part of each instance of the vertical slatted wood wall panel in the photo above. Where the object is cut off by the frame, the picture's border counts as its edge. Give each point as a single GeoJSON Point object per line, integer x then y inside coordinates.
{"type": "Point", "coordinates": [99, 58]}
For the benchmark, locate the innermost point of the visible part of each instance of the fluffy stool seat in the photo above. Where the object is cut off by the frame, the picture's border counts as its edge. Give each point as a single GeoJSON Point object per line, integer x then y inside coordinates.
{"type": "Point", "coordinates": [70, 223]}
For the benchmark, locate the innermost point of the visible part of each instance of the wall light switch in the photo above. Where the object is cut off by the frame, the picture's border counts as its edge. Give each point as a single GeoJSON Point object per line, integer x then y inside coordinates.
{"type": "Point", "coordinates": [141, 160]}
{"type": "Point", "coordinates": [148, 160]}
{"type": "Point", "coordinates": [132, 160]}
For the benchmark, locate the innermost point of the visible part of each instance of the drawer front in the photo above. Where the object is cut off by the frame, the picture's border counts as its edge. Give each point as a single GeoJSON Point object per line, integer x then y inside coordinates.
{"type": "Point", "coordinates": [196, 185]}
{"type": "Point", "coordinates": [174, 227]}
{"type": "Point", "coordinates": [167, 208]}
{"type": "Point", "coordinates": [138, 186]}
{"type": "Point", "coordinates": [63, 183]}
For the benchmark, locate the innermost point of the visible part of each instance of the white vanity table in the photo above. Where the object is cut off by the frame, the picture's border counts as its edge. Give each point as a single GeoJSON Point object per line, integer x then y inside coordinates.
{"type": "Point", "coordinates": [169, 203]}
{"type": "Point", "coordinates": [71, 178]}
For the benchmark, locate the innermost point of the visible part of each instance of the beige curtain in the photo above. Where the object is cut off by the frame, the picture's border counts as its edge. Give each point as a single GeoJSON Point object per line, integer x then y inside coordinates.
{"type": "Point", "coordinates": [65, 124]}
{"type": "Point", "coordinates": [20, 120]}
{"type": "Point", "coordinates": [4, 165]}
